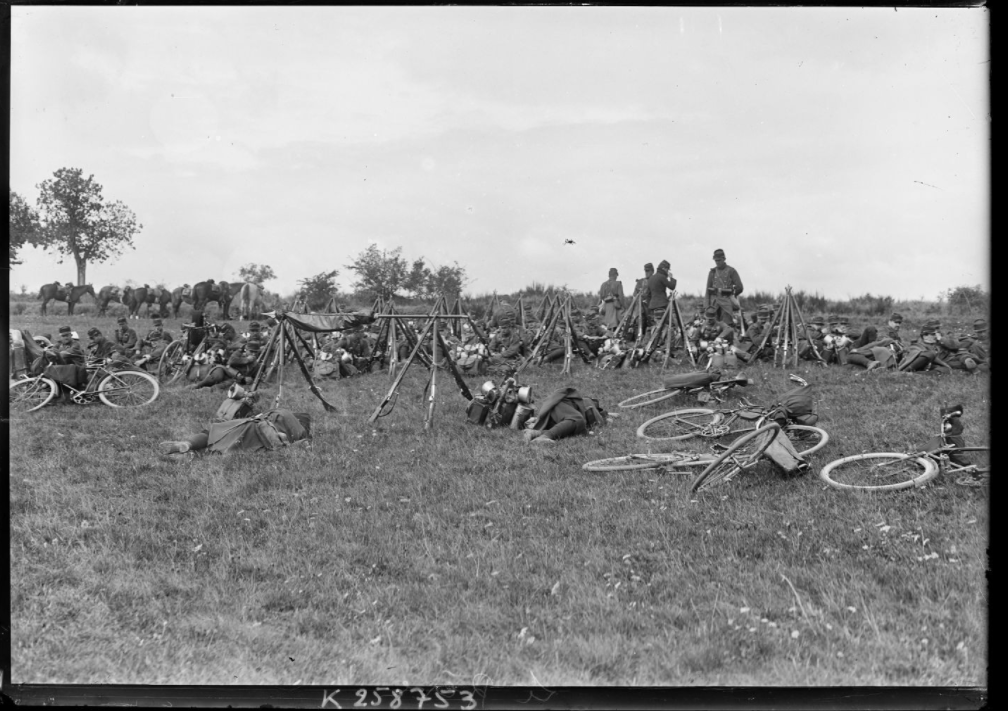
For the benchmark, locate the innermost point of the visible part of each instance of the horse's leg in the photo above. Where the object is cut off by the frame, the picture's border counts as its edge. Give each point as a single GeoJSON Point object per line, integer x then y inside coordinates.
{"type": "Point", "coordinates": [44, 306]}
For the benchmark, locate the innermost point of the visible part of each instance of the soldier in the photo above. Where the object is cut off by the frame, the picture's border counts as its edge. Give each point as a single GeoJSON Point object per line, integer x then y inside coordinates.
{"type": "Point", "coordinates": [817, 332]}
{"type": "Point", "coordinates": [270, 430]}
{"type": "Point", "coordinates": [99, 347]}
{"type": "Point", "coordinates": [712, 337]}
{"type": "Point", "coordinates": [151, 340]}
{"type": "Point", "coordinates": [895, 321]}
{"type": "Point", "coordinates": [125, 338]}
{"type": "Point", "coordinates": [641, 286]}
{"type": "Point", "coordinates": [157, 350]}
{"type": "Point", "coordinates": [978, 345]}
{"type": "Point", "coordinates": [658, 299]}
{"type": "Point", "coordinates": [611, 297]}
{"type": "Point", "coordinates": [723, 288]}
{"type": "Point", "coordinates": [746, 348]}
{"type": "Point", "coordinates": [507, 345]}
{"type": "Point", "coordinates": [505, 313]}
{"type": "Point", "coordinates": [241, 367]}
{"type": "Point", "coordinates": [923, 353]}
{"type": "Point", "coordinates": [67, 350]}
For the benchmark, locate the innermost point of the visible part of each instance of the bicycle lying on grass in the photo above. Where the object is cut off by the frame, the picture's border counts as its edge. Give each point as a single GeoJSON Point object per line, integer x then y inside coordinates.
{"type": "Point", "coordinates": [115, 387]}
{"type": "Point", "coordinates": [712, 390]}
{"type": "Point", "coordinates": [889, 471]}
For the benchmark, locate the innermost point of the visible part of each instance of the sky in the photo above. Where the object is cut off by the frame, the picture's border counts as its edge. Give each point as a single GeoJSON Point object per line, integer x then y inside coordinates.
{"type": "Point", "coordinates": [836, 150]}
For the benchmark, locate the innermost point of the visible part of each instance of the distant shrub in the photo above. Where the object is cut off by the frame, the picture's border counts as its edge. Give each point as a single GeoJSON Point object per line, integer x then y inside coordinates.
{"type": "Point", "coordinates": [18, 308]}
{"type": "Point", "coordinates": [966, 300]}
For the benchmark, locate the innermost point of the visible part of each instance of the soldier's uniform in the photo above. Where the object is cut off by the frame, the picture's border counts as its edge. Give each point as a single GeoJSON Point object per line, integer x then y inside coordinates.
{"type": "Point", "coordinates": [506, 345]}
{"type": "Point", "coordinates": [645, 293]}
{"type": "Point", "coordinates": [611, 296]}
{"type": "Point", "coordinates": [241, 368]}
{"type": "Point", "coordinates": [817, 337]}
{"type": "Point", "coordinates": [658, 299]}
{"type": "Point", "coordinates": [711, 338]}
{"type": "Point", "coordinates": [99, 346]}
{"type": "Point", "coordinates": [723, 288]}
{"type": "Point", "coordinates": [747, 346]}
{"type": "Point", "coordinates": [69, 351]}
{"type": "Point", "coordinates": [922, 353]}
{"type": "Point", "coordinates": [125, 338]}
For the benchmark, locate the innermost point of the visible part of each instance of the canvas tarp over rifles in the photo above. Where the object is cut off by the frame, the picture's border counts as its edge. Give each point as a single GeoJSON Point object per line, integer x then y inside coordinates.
{"type": "Point", "coordinates": [324, 323]}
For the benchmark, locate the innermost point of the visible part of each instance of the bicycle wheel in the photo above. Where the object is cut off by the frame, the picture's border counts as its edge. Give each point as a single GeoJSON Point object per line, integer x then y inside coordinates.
{"type": "Point", "coordinates": [881, 471]}
{"type": "Point", "coordinates": [743, 453]}
{"type": "Point", "coordinates": [30, 394]}
{"type": "Point", "coordinates": [679, 425]}
{"type": "Point", "coordinates": [170, 365]}
{"type": "Point", "coordinates": [651, 397]}
{"type": "Point", "coordinates": [806, 439]}
{"type": "Point", "coordinates": [128, 388]}
{"type": "Point", "coordinates": [632, 462]}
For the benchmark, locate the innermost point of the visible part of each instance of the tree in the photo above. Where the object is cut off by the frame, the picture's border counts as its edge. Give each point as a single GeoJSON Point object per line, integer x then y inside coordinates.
{"type": "Point", "coordinates": [76, 220]}
{"type": "Point", "coordinates": [447, 280]}
{"type": "Point", "coordinates": [256, 273]}
{"type": "Point", "coordinates": [24, 227]}
{"type": "Point", "coordinates": [379, 272]}
{"type": "Point", "coordinates": [318, 289]}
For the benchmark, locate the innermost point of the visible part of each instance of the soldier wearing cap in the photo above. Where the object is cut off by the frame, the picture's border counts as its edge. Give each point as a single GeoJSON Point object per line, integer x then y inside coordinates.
{"type": "Point", "coordinates": [241, 367]}
{"type": "Point", "coordinates": [153, 338]}
{"type": "Point", "coordinates": [657, 285]}
{"type": "Point", "coordinates": [504, 314]}
{"type": "Point", "coordinates": [67, 350]}
{"type": "Point", "coordinates": [723, 288]}
{"type": "Point", "coordinates": [125, 338]}
{"type": "Point", "coordinates": [99, 346]}
{"type": "Point", "coordinates": [817, 332]}
{"type": "Point", "coordinates": [158, 348]}
{"type": "Point", "coordinates": [978, 345]}
{"type": "Point", "coordinates": [611, 300]}
{"type": "Point", "coordinates": [641, 288]}
{"type": "Point", "coordinates": [507, 345]}
{"type": "Point", "coordinates": [270, 430]}
{"type": "Point", "coordinates": [746, 348]}
{"type": "Point", "coordinates": [711, 336]}
{"type": "Point", "coordinates": [923, 353]}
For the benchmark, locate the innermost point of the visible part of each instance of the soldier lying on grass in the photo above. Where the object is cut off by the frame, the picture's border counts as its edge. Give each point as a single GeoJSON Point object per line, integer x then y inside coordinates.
{"type": "Point", "coordinates": [269, 430]}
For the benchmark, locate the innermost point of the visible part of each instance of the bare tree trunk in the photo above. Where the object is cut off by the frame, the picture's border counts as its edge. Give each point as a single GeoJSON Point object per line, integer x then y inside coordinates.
{"type": "Point", "coordinates": [81, 270]}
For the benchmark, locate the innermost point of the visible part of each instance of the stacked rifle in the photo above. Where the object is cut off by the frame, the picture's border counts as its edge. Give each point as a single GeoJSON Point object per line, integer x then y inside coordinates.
{"type": "Point", "coordinates": [559, 310]}
{"type": "Point", "coordinates": [789, 323]}
{"type": "Point", "coordinates": [632, 325]}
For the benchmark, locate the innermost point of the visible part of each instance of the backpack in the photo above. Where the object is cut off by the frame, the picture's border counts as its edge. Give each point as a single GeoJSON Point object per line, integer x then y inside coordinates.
{"type": "Point", "coordinates": [697, 379]}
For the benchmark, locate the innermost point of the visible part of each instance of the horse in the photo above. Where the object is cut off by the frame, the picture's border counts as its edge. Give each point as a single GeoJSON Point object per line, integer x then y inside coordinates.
{"type": "Point", "coordinates": [134, 297]}
{"type": "Point", "coordinates": [221, 292]}
{"type": "Point", "coordinates": [56, 291]}
{"type": "Point", "coordinates": [105, 295]}
{"type": "Point", "coordinates": [162, 298]}
{"type": "Point", "coordinates": [251, 300]}
{"type": "Point", "coordinates": [178, 298]}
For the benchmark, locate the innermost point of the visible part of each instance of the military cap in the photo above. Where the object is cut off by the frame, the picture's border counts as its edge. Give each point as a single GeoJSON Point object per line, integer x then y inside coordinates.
{"type": "Point", "coordinates": [710, 312]}
{"type": "Point", "coordinates": [613, 272]}
{"type": "Point", "coordinates": [649, 267]}
{"type": "Point", "coordinates": [121, 319]}
{"type": "Point", "coordinates": [832, 319]}
{"type": "Point", "coordinates": [763, 309]}
{"type": "Point", "coordinates": [718, 254]}
{"type": "Point", "coordinates": [928, 329]}
{"type": "Point", "coordinates": [896, 317]}
{"type": "Point", "coordinates": [92, 332]}
{"type": "Point", "coordinates": [980, 324]}
{"type": "Point", "coordinates": [844, 320]}
{"type": "Point", "coordinates": [254, 326]}
{"type": "Point", "coordinates": [64, 330]}
{"type": "Point", "coordinates": [664, 264]}
{"type": "Point", "coordinates": [933, 323]}
{"type": "Point", "coordinates": [818, 321]}
{"type": "Point", "coordinates": [158, 322]}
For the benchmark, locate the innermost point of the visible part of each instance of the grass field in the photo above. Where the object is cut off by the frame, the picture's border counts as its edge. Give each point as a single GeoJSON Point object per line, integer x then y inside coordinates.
{"type": "Point", "coordinates": [389, 555]}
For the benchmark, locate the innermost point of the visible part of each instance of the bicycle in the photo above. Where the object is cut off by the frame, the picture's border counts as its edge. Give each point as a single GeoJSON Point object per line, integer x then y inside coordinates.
{"type": "Point", "coordinates": [684, 424]}
{"type": "Point", "coordinates": [896, 471]}
{"type": "Point", "coordinates": [180, 355]}
{"type": "Point", "coordinates": [667, 461]}
{"type": "Point", "coordinates": [712, 391]}
{"type": "Point", "coordinates": [743, 454]}
{"type": "Point", "coordinates": [114, 387]}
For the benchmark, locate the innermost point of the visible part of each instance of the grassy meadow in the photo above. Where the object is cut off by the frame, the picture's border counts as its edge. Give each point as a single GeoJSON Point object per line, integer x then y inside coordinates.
{"type": "Point", "coordinates": [384, 554]}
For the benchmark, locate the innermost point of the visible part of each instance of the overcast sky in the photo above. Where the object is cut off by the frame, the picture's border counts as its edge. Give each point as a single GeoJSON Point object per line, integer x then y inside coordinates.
{"type": "Point", "coordinates": [837, 150]}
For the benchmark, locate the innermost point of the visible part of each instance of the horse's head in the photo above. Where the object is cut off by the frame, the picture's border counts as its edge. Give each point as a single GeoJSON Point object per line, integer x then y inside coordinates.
{"type": "Point", "coordinates": [89, 289]}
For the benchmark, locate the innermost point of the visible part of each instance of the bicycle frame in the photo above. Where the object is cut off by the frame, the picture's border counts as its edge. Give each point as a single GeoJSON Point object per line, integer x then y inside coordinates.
{"type": "Point", "coordinates": [87, 395]}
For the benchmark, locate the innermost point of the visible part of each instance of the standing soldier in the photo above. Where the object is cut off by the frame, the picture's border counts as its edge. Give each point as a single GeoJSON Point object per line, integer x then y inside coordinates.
{"type": "Point", "coordinates": [611, 296]}
{"type": "Point", "coordinates": [658, 299]}
{"type": "Point", "coordinates": [641, 287]}
{"type": "Point", "coordinates": [723, 288]}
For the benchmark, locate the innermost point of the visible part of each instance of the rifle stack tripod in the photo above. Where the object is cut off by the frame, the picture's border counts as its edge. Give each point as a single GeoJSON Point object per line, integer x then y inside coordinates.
{"type": "Point", "coordinates": [556, 310]}
{"type": "Point", "coordinates": [788, 319]}
{"type": "Point", "coordinates": [633, 323]}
